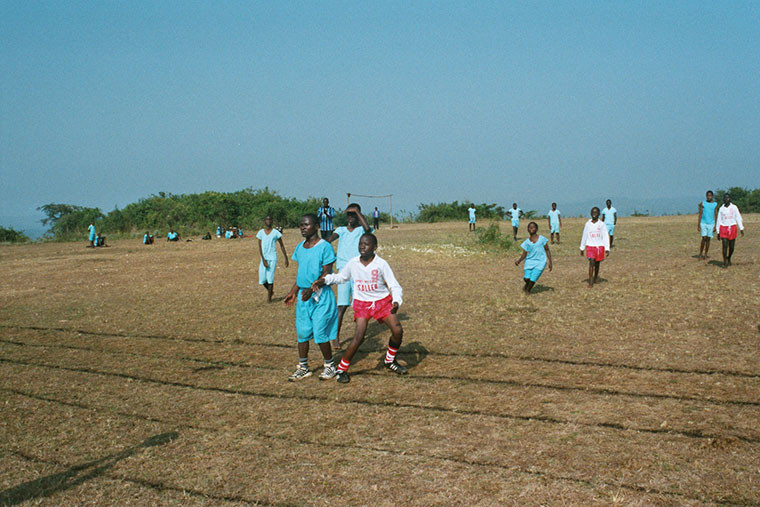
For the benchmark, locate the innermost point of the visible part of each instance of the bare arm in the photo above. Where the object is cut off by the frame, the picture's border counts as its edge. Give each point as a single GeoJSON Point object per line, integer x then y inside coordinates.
{"type": "Point", "coordinates": [522, 258]}
{"type": "Point", "coordinates": [284, 253]}
{"type": "Point", "coordinates": [332, 237]}
{"type": "Point", "coordinates": [699, 217]}
{"type": "Point", "coordinates": [548, 256]}
{"type": "Point", "coordinates": [261, 254]}
{"type": "Point", "coordinates": [291, 297]}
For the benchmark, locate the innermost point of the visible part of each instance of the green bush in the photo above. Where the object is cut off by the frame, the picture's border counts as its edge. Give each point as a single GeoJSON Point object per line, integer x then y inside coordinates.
{"type": "Point", "coordinates": [443, 211]}
{"type": "Point", "coordinates": [9, 235]}
{"type": "Point", "coordinates": [492, 238]}
{"type": "Point", "coordinates": [748, 201]}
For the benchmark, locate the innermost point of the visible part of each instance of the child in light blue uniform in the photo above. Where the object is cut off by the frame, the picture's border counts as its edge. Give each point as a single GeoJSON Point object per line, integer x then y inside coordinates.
{"type": "Point", "coordinates": [609, 215]}
{"type": "Point", "coordinates": [515, 213]}
{"type": "Point", "coordinates": [706, 226]}
{"type": "Point", "coordinates": [555, 221]}
{"type": "Point", "coordinates": [471, 210]}
{"type": "Point", "coordinates": [536, 254]}
{"type": "Point", "coordinates": [316, 313]}
{"type": "Point", "coordinates": [348, 248]}
{"type": "Point", "coordinates": [267, 238]}
{"type": "Point", "coordinates": [91, 228]}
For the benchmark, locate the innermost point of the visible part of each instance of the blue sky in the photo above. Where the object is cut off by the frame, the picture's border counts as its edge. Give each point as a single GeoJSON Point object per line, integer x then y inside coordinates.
{"type": "Point", "coordinates": [102, 103]}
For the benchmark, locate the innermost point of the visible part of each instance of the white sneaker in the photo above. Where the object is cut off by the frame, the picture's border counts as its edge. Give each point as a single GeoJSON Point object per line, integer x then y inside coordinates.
{"type": "Point", "coordinates": [328, 373]}
{"type": "Point", "coordinates": [300, 373]}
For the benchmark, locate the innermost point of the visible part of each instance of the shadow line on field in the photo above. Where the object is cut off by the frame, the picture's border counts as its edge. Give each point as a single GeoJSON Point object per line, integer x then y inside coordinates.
{"type": "Point", "coordinates": [478, 355]}
{"type": "Point", "coordinates": [386, 404]}
{"type": "Point", "coordinates": [354, 446]}
{"type": "Point", "coordinates": [418, 353]}
{"type": "Point", "coordinates": [77, 474]}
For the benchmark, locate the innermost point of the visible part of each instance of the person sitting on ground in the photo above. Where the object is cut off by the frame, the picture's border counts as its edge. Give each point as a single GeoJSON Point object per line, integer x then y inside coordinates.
{"type": "Point", "coordinates": [100, 240]}
{"type": "Point", "coordinates": [148, 238]}
{"type": "Point", "coordinates": [206, 236]}
{"type": "Point", "coordinates": [172, 236]}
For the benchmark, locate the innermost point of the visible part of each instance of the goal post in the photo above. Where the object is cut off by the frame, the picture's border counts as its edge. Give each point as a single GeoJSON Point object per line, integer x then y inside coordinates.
{"type": "Point", "coordinates": [389, 197]}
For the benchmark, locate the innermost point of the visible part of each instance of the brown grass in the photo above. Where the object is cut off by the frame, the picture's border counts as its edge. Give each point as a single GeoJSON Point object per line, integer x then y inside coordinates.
{"type": "Point", "coordinates": [643, 390]}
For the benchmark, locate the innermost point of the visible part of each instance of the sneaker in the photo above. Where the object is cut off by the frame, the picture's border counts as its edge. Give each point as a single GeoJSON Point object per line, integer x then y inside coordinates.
{"type": "Point", "coordinates": [343, 377]}
{"type": "Point", "coordinates": [328, 373]}
{"type": "Point", "coordinates": [396, 368]}
{"type": "Point", "coordinates": [300, 373]}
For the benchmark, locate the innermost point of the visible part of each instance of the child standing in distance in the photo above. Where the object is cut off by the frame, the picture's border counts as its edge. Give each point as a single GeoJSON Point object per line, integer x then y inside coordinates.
{"type": "Point", "coordinates": [726, 220]}
{"type": "Point", "coordinates": [609, 215]}
{"type": "Point", "coordinates": [595, 243]}
{"type": "Point", "coordinates": [91, 229]}
{"type": "Point", "coordinates": [537, 256]}
{"type": "Point", "coordinates": [515, 213]}
{"type": "Point", "coordinates": [555, 222]}
{"type": "Point", "coordinates": [706, 222]}
{"type": "Point", "coordinates": [376, 218]}
{"type": "Point", "coordinates": [268, 252]}
{"type": "Point", "coordinates": [471, 211]}
{"type": "Point", "coordinates": [348, 248]}
{"type": "Point", "coordinates": [377, 295]}
{"type": "Point", "coordinates": [316, 315]}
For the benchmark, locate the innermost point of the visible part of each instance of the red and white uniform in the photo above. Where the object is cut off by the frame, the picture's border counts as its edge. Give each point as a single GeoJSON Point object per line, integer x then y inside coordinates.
{"type": "Point", "coordinates": [595, 234]}
{"type": "Point", "coordinates": [372, 282]}
{"type": "Point", "coordinates": [728, 216]}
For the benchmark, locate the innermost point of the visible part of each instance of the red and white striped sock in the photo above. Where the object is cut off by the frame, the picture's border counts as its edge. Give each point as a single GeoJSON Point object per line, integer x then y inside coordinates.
{"type": "Point", "coordinates": [343, 366]}
{"type": "Point", "coordinates": [390, 356]}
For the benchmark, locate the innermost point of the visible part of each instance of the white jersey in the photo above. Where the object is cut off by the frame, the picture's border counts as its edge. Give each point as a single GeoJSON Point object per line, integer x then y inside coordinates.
{"type": "Point", "coordinates": [372, 282]}
{"type": "Point", "coordinates": [595, 234]}
{"type": "Point", "coordinates": [729, 216]}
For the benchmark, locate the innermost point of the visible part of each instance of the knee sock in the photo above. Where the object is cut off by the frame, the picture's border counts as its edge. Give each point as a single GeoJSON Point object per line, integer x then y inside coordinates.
{"type": "Point", "coordinates": [390, 355]}
{"type": "Point", "coordinates": [304, 361]}
{"type": "Point", "coordinates": [343, 366]}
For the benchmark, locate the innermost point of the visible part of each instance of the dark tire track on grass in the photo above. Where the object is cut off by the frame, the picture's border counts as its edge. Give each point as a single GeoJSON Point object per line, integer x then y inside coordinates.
{"type": "Point", "coordinates": [426, 377]}
{"type": "Point", "coordinates": [386, 404]}
{"type": "Point", "coordinates": [402, 353]}
{"type": "Point", "coordinates": [394, 451]}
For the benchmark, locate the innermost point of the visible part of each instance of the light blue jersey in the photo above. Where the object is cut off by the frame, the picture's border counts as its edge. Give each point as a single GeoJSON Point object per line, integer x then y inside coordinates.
{"type": "Point", "coordinates": [554, 217]}
{"type": "Point", "coordinates": [348, 244]}
{"type": "Point", "coordinates": [91, 228]}
{"type": "Point", "coordinates": [708, 213]}
{"type": "Point", "coordinates": [471, 211]}
{"type": "Point", "coordinates": [608, 215]}
{"type": "Point", "coordinates": [268, 243]}
{"type": "Point", "coordinates": [514, 214]}
{"type": "Point", "coordinates": [310, 262]}
{"type": "Point", "coordinates": [536, 258]}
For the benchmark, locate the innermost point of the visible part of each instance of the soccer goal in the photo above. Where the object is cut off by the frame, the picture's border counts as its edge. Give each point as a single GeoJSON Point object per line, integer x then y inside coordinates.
{"type": "Point", "coordinates": [349, 195]}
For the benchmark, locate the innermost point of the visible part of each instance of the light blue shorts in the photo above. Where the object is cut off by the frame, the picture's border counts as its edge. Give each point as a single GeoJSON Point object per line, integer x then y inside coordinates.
{"type": "Point", "coordinates": [92, 237]}
{"type": "Point", "coordinates": [707, 229]}
{"type": "Point", "coordinates": [472, 220]}
{"type": "Point", "coordinates": [345, 293]}
{"type": "Point", "coordinates": [317, 320]}
{"type": "Point", "coordinates": [554, 229]}
{"type": "Point", "coordinates": [266, 275]}
{"type": "Point", "coordinates": [533, 274]}
{"type": "Point", "coordinates": [516, 222]}
{"type": "Point", "coordinates": [611, 229]}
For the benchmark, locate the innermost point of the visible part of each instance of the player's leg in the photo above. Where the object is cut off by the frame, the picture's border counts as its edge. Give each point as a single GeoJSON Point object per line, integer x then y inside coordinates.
{"type": "Point", "coordinates": [525, 286]}
{"type": "Point", "coordinates": [590, 272]}
{"type": "Point", "coordinates": [348, 355]}
{"type": "Point", "coordinates": [724, 242]}
{"type": "Point", "coordinates": [731, 243]}
{"type": "Point", "coordinates": [397, 336]}
{"type": "Point", "coordinates": [707, 246]}
{"type": "Point", "coordinates": [345, 293]}
{"type": "Point", "coordinates": [304, 334]}
{"type": "Point", "coordinates": [341, 312]}
{"type": "Point", "coordinates": [597, 264]}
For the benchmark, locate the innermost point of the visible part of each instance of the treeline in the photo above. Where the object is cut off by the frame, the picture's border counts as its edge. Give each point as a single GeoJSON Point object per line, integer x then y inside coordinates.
{"type": "Point", "coordinates": [187, 213]}
{"type": "Point", "coordinates": [444, 211]}
{"type": "Point", "coordinates": [748, 201]}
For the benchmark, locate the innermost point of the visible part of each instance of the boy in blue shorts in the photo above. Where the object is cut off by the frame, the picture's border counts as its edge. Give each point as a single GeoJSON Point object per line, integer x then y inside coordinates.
{"type": "Point", "coordinates": [537, 256]}
{"type": "Point", "coordinates": [267, 238]}
{"type": "Point", "coordinates": [316, 314]}
{"type": "Point", "coordinates": [348, 248]}
{"type": "Point", "coordinates": [706, 222]}
{"type": "Point", "coordinates": [609, 215]}
{"type": "Point", "coordinates": [471, 211]}
{"type": "Point", "coordinates": [515, 213]}
{"type": "Point", "coordinates": [555, 222]}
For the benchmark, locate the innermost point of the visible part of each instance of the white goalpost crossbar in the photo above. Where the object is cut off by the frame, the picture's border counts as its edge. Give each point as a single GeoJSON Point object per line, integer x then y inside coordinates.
{"type": "Point", "coordinates": [389, 196]}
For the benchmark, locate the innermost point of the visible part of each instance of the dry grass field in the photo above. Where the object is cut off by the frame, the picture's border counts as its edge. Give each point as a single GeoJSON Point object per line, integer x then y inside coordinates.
{"type": "Point", "coordinates": [158, 375]}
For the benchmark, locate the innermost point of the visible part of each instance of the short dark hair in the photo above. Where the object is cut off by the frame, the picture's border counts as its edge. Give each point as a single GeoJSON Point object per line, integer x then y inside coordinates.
{"type": "Point", "coordinates": [356, 205]}
{"type": "Point", "coordinates": [371, 237]}
{"type": "Point", "coordinates": [312, 218]}
{"type": "Point", "coordinates": [709, 192]}
{"type": "Point", "coordinates": [533, 223]}
{"type": "Point", "coordinates": [595, 208]}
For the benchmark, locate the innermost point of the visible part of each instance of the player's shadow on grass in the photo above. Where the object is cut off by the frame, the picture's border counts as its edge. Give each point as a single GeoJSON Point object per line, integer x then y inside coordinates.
{"type": "Point", "coordinates": [77, 474]}
{"type": "Point", "coordinates": [538, 289]}
{"type": "Point", "coordinates": [376, 341]}
{"type": "Point", "coordinates": [716, 263]}
{"type": "Point", "coordinates": [601, 280]}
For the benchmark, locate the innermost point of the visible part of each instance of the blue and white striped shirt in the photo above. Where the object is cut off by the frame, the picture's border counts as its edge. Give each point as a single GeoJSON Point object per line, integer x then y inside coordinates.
{"type": "Point", "coordinates": [325, 218]}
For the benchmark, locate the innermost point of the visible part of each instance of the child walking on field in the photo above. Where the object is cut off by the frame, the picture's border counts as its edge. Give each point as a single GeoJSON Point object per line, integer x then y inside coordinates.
{"type": "Point", "coordinates": [316, 314]}
{"type": "Point", "coordinates": [377, 295]}
{"type": "Point", "coordinates": [268, 252]}
{"type": "Point", "coordinates": [537, 256]}
{"type": "Point", "coordinates": [595, 243]}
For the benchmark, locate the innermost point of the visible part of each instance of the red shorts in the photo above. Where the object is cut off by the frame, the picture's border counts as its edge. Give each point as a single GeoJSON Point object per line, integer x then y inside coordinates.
{"type": "Point", "coordinates": [727, 231]}
{"type": "Point", "coordinates": [377, 310]}
{"type": "Point", "coordinates": [595, 252]}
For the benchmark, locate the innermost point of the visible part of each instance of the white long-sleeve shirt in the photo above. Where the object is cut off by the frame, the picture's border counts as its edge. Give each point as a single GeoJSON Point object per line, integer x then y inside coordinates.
{"type": "Point", "coordinates": [595, 234]}
{"type": "Point", "coordinates": [372, 282]}
{"type": "Point", "coordinates": [728, 216]}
